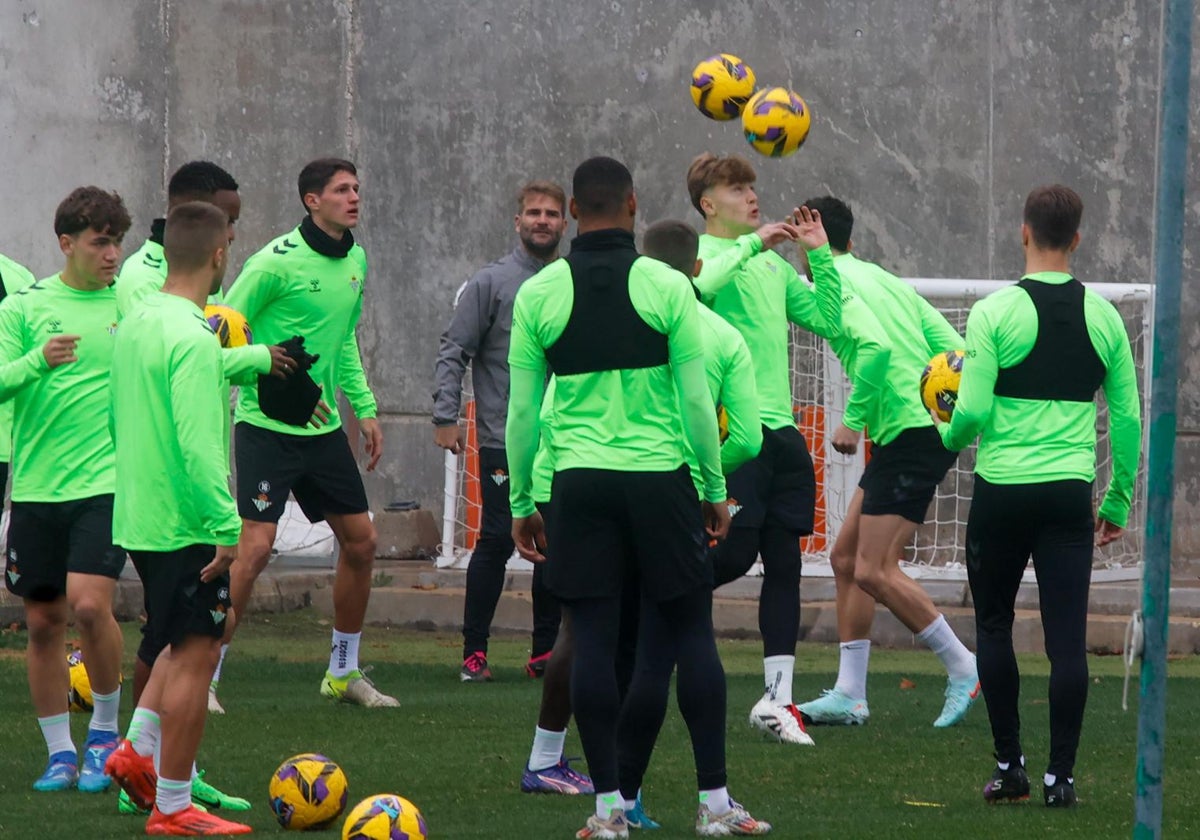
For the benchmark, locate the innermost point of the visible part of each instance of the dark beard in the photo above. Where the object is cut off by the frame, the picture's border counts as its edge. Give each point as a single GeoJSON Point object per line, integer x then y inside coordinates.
{"type": "Point", "coordinates": [540, 252]}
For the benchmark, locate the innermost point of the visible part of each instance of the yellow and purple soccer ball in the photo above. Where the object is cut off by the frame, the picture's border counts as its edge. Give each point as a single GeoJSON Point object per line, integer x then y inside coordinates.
{"type": "Point", "coordinates": [385, 816]}
{"type": "Point", "coordinates": [229, 325]}
{"type": "Point", "coordinates": [79, 695]}
{"type": "Point", "coordinates": [776, 122]}
{"type": "Point", "coordinates": [939, 383]}
{"type": "Point", "coordinates": [308, 791]}
{"type": "Point", "coordinates": [721, 85]}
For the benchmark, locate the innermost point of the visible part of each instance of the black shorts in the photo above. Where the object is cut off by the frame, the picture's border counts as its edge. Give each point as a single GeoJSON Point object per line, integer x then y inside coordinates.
{"type": "Point", "coordinates": [46, 540]}
{"type": "Point", "coordinates": [178, 603]}
{"type": "Point", "coordinates": [778, 487]}
{"type": "Point", "coordinates": [607, 525]}
{"type": "Point", "coordinates": [319, 470]}
{"type": "Point", "coordinates": [903, 475]}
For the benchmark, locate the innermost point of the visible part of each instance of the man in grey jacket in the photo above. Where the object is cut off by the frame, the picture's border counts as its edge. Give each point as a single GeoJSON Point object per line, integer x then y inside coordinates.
{"type": "Point", "coordinates": [478, 335]}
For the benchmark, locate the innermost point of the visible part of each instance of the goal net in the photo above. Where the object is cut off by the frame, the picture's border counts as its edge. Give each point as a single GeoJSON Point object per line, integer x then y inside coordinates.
{"type": "Point", "coordinates": [820, 391]}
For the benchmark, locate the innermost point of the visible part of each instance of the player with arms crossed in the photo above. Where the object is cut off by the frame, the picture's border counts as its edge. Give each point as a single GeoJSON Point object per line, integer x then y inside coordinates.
{"type": "Point", "coordinates": [622, 336]}
{"type": "Point", "coordinates": [889, 333]}
{"type": "Point", "coordinates": [1037, 352]}
{"type": "Point", "coordinates": [310, 282]}
{"type": "Point", "coordinates": [173, 509]}
{"type": "Point", "coordinates": [56, 346]}
{"type": "Point", "coordinates": [478, 335]}
{"type": "Point", "coordinates": [759, 293]}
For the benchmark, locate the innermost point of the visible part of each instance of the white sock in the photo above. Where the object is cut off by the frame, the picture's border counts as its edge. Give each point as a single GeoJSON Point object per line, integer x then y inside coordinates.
{"type": "Point", "coordinates": [630, 804]}
{"type": "Point", "coordinates": [173, 796]}
{"type": "Point", "coordinates": [959, 662]}
{"type": "Point", "coordinates": [216, 678]}
{"type": "Point", "coordinates": [1004, 765]}
{"type": "Point", "coordinates": [547, 748]}
{"type": "Point", "coordinates": [343, 656]}
{"type": "Point", "coordinates": [56, 729]}
{"type": "Point", "coordinates": [195, 772]}
{"type": "Point", "coordinates": [852, 669]}
{"type": "Point", "coordinates": [779, 678]}
{"type": "Point", "coordinates": [606, 803]}
{"type": "Point", "coordinates": [144, 731]}
{"type": "Point", "coordinates": [716, 800]}
{"type": "Point", "coordinates": [158, 756]}
{"type": "Point", "coordinates": [1049, 780]}
{"type": "Point", "coordinates": [104, 711]}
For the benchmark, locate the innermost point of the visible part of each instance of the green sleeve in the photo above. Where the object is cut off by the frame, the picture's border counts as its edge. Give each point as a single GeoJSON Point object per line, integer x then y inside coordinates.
{"type": "Point", "coordinates": [718, 269]}
{"type": "Point", "coordinates": [527, 383]}
{"type": "Point", "coordinates": [199, 427]}
{"type": "Point", "coordinates": [872, 356]}
{"type": "Point", "coordinates": [351, 377]}
{"type": "Point", "coordinates": [1124, 423]}
{"type": "Point", "coordinates": [817, 308]}
{"type": "Point", "coordinates": [242, 365]}
{"type": "Point", "coordinates": [977, 386]}
{"type": "Point", "coordinates": [253, 291]}
{"type": "Point", "coordinates": [941, 336]}
{"type": "Point", "coordinates": [739, 398]}
{"type": "Point", "coordinates": [18, 367]}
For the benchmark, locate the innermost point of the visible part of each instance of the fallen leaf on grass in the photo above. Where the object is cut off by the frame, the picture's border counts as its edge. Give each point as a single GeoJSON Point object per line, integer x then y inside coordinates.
{"type": "Point", "coordinates": [906, 684]}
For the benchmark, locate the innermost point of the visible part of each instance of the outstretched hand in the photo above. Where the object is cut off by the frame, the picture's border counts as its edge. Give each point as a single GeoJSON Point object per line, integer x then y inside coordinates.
{"type": "Point", "coordinates": [809, 229]}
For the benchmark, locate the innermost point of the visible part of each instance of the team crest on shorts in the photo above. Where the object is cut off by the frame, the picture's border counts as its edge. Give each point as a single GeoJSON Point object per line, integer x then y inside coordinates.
{"type": "Point", "coordinates": [218, 614]}
{"type": "Point", "coordinates": [734, 508]}
{"type": "Point", "coordinates": [262, 501]}
{"type": "Point", "coordinates": [13, 574]}
{"type": "Point", "coordinates": [499, 476]}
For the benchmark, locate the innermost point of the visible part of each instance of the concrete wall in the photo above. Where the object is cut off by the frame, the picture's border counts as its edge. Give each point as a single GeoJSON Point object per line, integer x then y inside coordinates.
{"type": "Point", "coordinates": [933, 117]}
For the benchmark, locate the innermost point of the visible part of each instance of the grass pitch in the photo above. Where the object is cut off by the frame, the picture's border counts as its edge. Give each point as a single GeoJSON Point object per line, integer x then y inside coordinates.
{"type": "Point", "coordinates": [457, 750]}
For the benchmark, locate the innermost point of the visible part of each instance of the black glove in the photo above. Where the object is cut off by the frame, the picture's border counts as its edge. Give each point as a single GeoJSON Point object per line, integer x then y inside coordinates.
{"type": "Point", "coordinates": [291, 400]}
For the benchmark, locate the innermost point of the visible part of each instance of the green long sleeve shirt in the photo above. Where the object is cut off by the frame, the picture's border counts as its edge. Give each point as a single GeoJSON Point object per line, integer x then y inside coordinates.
{"type": "Point", "coordinates": [15, 277]}
{"type": "Point", "coordinates": [1033, 441]}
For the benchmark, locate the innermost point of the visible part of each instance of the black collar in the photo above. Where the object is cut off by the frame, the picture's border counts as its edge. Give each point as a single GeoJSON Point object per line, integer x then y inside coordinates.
{"type": "Point", "coordinates": [603, 240]}
{"type": "Point", "coordinates": [323, 243]}
{"type": "Point", "coordinates": [157, 228]}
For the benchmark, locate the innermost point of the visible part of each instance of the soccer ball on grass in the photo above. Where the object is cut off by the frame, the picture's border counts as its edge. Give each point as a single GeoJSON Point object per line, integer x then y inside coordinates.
{"type": "Point", "coordinates": [308, 791]}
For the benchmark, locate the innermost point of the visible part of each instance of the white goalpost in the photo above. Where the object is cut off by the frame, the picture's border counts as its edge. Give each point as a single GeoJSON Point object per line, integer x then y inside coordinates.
{"type": "Point", "coordinates": [820, 391]}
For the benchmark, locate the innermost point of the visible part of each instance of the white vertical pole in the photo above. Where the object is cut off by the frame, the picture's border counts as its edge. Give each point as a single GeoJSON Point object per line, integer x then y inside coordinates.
{"type": "Point", "coordinates": [446, 556]}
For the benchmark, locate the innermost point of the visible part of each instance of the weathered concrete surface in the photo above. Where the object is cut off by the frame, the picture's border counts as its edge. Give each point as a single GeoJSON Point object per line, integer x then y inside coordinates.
{"type": "Point", "coordinates": [933, 117]}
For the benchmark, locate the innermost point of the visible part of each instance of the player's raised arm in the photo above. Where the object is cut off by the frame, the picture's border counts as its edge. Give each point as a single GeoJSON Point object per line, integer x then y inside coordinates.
{"type": "Point", "coordinates": [816, 308]}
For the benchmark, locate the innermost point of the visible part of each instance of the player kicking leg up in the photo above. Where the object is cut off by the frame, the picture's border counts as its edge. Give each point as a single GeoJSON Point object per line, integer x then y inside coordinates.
{"type": "Point", "coordinates": [888, 334]}
{"type": "Point", "coordinates": [165, 356]}
{"type": "Point", "coordinates": [310, 281]}
{"type": "Point", "coordinates": [56, 345]}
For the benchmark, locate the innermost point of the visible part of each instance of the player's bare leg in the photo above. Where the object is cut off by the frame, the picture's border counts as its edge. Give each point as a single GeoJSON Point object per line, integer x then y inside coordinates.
{"type": "Point", "coordinates": [344, 680]}
{"type": "Point", "coordinates": [254, 553]}
{"type": "Point", "coordinates": [46, 665]}
{"type": "Point", "coordinates": [90, 598]}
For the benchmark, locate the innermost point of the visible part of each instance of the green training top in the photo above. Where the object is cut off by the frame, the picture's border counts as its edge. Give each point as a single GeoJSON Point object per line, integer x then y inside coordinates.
{"type": "Point", "coordinates": [730, 375]}
{"type": "Point", "coordinates": [61, 448]}
{"type": "Point", "coordinates": [759, 292]}
{"type": "Point", "coordinates": [172, 490]}
{"type": "Point", "coordinates": [1034, 441]}
{"type": "Point", "coordinates": [624, 420]}
{"type": "Point", "coordinates": [889, 334]}
{"type": "Point", "coordinates": [289, 289]}
{"type": "Point", "coordinates": [15, 277]}
{"type": "Point", "coordinates": [144, 271]}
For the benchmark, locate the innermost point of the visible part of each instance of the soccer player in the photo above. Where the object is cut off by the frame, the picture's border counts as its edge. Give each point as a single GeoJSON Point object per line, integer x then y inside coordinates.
{"type": "Point", "coordinates": [13, 278]}
{"type": "Point", "coordinates": [623, 338]}
{"type": "Point", "coordinates": [759, 293]}
{"type": "Point", "coordinates": [173, 509]}
{"type": "Point", "coordinates": [889, 333]}
{"type": "Point", "coordinates": [478, 334]}
{"type": "Point", "coordinates": [56, 345]}
{"type": "Point", "coordinates": [1036, 354]}
{"type": "Point", "coordinates": [310, 282]}
{"type": "Point", "coordinates": [144, 272]}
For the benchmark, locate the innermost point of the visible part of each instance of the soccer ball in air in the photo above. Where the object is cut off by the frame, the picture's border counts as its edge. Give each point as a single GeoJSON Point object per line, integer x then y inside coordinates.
{"type": "Point", "coordinates": [721, 85]}
{"type": "Point", "coordinates": [385, 816]}
{"type": "Point", "coordinates": [308, 791]}
{"type": "Point", "coordinates": [939, 383]}
{"type": "Point", "coordinates": [229, 325]}
{"type": "Point", "coordinates": [776, 121]}
{"type": "Point", "coordinates": [79, 695]}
